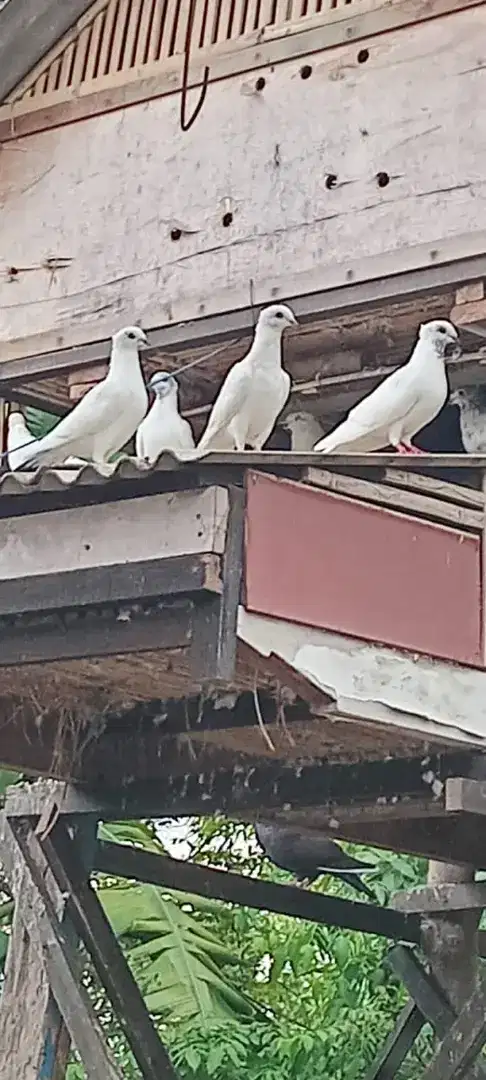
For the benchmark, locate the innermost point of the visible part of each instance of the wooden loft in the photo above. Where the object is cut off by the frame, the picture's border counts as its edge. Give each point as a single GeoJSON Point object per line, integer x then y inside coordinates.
{"type": "Point", "coordinates": [347, 685]}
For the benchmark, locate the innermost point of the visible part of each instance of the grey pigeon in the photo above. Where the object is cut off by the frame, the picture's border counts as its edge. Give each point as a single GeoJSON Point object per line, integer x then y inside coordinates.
{"type": "Point", "coordinates": [255, 389]}
{"type": "Point", "coordinates": [307, 857]}
{"type": "Point", "coordinates": [304, 429]}
{"type": "Point", "coordinates": [404, 403]}
{"type": "Point", "coordinates": [163, 427]}
{"type": "Point", "coordinates": [107, 416]}
{"type": "Point", "coordinates": [472, 417]}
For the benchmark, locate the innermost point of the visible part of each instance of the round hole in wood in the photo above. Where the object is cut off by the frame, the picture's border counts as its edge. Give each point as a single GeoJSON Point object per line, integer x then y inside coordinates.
{"type": "Point", "coordinates": [306, 71]}
{"type": "Point", "coordinates": [175, 234]}
{"type": "Point", "coordinates": [227, 219]}
{"type": "Point", "coordinates": [363, 56]}
{"type": "Point", "coordinates": [330, 181]}
{"type": "Point", "coordinates": [382, 179]}
{"type": "Point", "coordinates": [260, 83]}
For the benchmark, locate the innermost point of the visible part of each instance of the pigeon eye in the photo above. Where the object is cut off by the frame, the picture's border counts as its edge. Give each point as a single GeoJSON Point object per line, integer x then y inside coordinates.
{"type": "Point", "coordinates": [278, 315]}
{"type": "Point", "coordinates": [442, 330]}
{"type": "Point", "coordinates": [131, 335]}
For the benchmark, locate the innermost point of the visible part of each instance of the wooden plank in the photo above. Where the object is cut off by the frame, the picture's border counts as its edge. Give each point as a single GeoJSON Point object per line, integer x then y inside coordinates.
{"type": "Point", "coordinates": [442, 898]}
{"type": "Point", "coordinates": [121, 861]}
{"type": "Point", "coordinates": [471, 316]}
{"type": "Point", "coordinates": [439, 489]}
{"type": "Point", "coordinates": [423, 989]}
{"type": "Point", "coordinates": [483, 571]}
{"type": "Point", "coordinates": [460, 1047]}
{"type": "Point", "coordinates": [398, 1044]}
{"type": "Point", "coordinates": [107, 38]}
{"type": "Point", "coordinates": [467, 293]}
{"type": "Point", "coordinates": [54, 638]}
{"type": "Point", "coordinates": [155, 526]}
{"type": "Point", "coordinates": [107, 957]}
{"type": "Point", "coordinates": [148, 7]}
{"type": "Point", "coordinates": [468, 796]}
{"type": "Point", "coordinates": [214, 643]}
{"type": "Point", "coordinates": [60, 959]}
{"type": "Point", "coordinates": [98, 585]}
{"type": "Point", "coordinates": [27, 32]}
{"type": "Point", "coordinates": [341, 26]}
{"type": "Point", "coordinates": [97, 27]}
{"type": "Point", "coordinates": [410, 502]}
{"type": "Point", "coordinates": [81, 57]}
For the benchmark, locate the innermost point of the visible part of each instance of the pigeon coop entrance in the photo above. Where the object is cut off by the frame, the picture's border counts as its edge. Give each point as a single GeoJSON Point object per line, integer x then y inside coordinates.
{"type": "Point", "coordinates": [173, 644]}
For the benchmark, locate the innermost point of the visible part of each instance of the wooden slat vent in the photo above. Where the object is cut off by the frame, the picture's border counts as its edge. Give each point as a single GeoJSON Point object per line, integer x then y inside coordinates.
{"type": "Point", "coordinates": [117, 36]}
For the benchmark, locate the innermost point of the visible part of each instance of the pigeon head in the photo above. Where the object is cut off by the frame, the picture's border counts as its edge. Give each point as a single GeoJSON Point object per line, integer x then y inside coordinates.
{"type": "Point", "coordinates": [277, 317]}
{"type": "Point", "coordinates": [296, 421]}
{"type": "Point", "coordinates": [442, 336]}
{"type": "Point", "coordinates": [130, 338]}
{"type": "Point", "coordinates": [163, 384]}
{"type": "Point", "coordinates": [15, 419]}
{"type": "Point", "coordinates": [472, 399]}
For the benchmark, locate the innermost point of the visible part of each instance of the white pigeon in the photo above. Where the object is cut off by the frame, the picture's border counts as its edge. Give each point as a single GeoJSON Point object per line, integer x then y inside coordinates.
{"type": "Point", "coordinates": [472, 417]}
{"type": "Point", "coordinates": [18, 435]}
{"type": "Point", "coordinates": [304, 429]}
{"type": "Point", "coordinates": [18, 449]}
{"type": "Point", "coordinates": [404, 402]}
{"type": "Point", "coordinates": [255, 389]}
{"type": "Point", "coordinates": [107, 416]}
{"type": "Point", "coordinates": [163, 427]}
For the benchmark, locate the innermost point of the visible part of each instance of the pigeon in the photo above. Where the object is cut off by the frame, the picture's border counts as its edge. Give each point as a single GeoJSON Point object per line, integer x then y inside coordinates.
{"type": "Point", "coordinates": [107, 416]}
{"type": "Point", "coordinates": [404, 402]}
{"type": "Point", "coordinates": [472, 417]}
{"type": "Point", "coordinates": [304, 429]}
{"type": "Point", "coordinates": [19, 445]}
{"type": "Point", "coordinates": [307, 857]}
{"type": "Point", "coordinates": [18, 436]}
{"type": "Point", "coordinates": [255, 389]}
{"type": "Point", "coordinates": [163, 427]}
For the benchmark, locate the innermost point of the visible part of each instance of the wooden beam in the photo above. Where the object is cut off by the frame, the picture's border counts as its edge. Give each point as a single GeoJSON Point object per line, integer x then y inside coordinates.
{"type": "Point", "coordinates": [423, 989]}
{"type": "Point", "coordinates": [445, 838]}
{"type": "Point", "coordinates": [469, 311]}
{"type": "Point", "coordinates": [409, 502]}
{"type": "Point", "coordinates": [463, 1042]}
{"type": "Point", "coordinates": [122, 861]}
{"type": "Point", "coordinates": [398, 1044]}
{"type": "Point", "coordinates": [108, 960]}
{"type": "Point", "coordinates": [96, 633]}
{"type": "Point", "coordinates": [28, 29]}
{"type": "Point", "coordinates": [468, 796]}
{"type": "Point", "coordinates": [365, 789]}
{"type": "Point", "coordinates": [150, 579]}
{"type": "Point", "coordinates": [429, 898]}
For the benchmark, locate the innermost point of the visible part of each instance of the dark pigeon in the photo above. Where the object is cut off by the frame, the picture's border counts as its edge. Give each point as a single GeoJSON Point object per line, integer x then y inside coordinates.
{"type": "Point", "coordinates": [307, 857]}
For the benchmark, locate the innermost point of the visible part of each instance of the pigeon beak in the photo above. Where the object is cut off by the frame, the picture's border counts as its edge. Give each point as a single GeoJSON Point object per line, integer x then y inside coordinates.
{"type": "Point", "coordinates": [293, 321]}
{"type": "Point", "coordinates": [143, 342]}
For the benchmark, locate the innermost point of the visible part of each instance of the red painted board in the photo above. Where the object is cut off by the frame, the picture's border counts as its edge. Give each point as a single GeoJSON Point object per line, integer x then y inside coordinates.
{"type": "Point", "coordinates": [331, 562]}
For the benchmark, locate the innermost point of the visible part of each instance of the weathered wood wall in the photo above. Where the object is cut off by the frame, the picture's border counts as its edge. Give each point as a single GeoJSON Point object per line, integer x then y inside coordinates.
{"type": "Point", "coordinates": [107, 193]}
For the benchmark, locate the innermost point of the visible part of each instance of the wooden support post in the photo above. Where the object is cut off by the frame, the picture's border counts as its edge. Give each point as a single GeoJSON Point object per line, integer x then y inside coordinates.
{"type": "Point", "coordinates": [43, 1004]}
{"type": "Point", "coordinates": [450, 940]}
{"type": "Point", "coordinates": [108, 960]}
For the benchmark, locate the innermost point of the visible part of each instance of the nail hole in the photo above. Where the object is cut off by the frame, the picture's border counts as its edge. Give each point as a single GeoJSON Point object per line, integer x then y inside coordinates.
{"type": "Point", "coordinates": [12, 271]}
{"type": "Point", "coordinates": [227, 219]}
{"type": "Point", "coordinates": [382, 179]}
{"type": "Point", "coordinates": [330, 181]}
{"type": "Point", "coordinates": [175, 234]}
{"type": "Point", "coordinates": [306, 71]}
{"type": "Point", "coordinates": [260, 83]}
{"type": "Point", "coordinates": [363, 56]}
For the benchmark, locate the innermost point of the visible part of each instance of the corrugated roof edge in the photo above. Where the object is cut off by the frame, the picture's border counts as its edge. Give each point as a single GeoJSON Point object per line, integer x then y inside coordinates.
{"type": "Point", "coordinates": [130, 468]}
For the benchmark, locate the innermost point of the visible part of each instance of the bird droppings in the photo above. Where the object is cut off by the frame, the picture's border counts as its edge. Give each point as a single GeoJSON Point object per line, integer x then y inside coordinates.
{"type": "Point", "coordinates": [428, 777]}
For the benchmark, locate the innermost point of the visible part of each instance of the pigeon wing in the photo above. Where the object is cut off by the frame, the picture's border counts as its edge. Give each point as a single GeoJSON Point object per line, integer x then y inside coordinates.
{"type": "Point", "coordinates": [229, 401]}
{"type": "Point", "coordinates": [387, 405]}
{"type": "Point", "coordinates": [96, 411]}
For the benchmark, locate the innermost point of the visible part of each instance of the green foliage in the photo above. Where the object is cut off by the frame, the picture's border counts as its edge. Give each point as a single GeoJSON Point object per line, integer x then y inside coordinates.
{"type": "Point", "coordinates": [39, 423]}
{"type": "Point", "coordinates": [179, 963]}
{"type": "Point", "coordinates": [240, 994]}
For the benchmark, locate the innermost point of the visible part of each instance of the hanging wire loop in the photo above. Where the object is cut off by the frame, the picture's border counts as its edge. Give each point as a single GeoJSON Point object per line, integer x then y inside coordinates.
{"type": "Point", "coordinates": [186, 122]}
